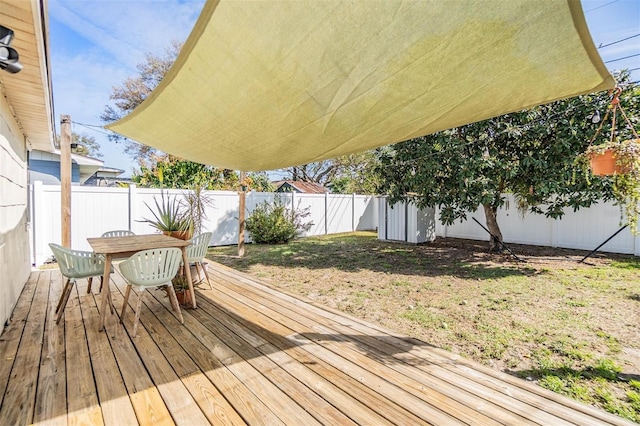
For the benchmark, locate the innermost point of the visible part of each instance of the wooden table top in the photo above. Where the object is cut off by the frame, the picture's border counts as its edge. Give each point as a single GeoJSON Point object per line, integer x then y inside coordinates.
{"type": "Point", "coordinates": [134, 243]}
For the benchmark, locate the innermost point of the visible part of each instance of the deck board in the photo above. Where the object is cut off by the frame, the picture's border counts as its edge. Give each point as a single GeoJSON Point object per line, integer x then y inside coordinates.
{"type": "Point", "coordinates": [51, 401]}
{"type": "Point", "coordinates": [12, 336]}
{"type": "Point", "coordinates": [20, 394]}
{"type": "Point", "coordinates": [250, 354]}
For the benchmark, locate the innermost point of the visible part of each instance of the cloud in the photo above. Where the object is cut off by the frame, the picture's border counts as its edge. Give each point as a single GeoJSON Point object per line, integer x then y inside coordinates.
{"type": "Point", "coordinates": [127, 30]}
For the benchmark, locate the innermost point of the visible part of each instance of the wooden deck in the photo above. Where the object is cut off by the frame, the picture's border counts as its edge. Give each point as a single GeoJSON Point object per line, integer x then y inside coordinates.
{"type": "Point", "coordinates": [248, 355]}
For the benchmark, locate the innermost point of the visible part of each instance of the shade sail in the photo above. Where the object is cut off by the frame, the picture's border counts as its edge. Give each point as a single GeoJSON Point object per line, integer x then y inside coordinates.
{"type": "Point", "coordinates": [261, 85]}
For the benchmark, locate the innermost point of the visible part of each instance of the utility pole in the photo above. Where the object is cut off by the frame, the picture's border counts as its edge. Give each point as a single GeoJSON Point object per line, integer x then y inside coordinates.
{"type": "Point", "coordinates": [241, 215]}
{"type": "Point", "coordinates": [65, 178]}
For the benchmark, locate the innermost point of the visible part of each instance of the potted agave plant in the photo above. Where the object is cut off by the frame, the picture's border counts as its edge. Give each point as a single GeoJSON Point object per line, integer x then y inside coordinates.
{"type": "Point", "coordinates": [170, 217]}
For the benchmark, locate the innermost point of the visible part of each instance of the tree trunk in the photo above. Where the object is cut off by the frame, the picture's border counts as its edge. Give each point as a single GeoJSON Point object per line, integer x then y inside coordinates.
{"type": "Point", "coordinates": [492, 224]}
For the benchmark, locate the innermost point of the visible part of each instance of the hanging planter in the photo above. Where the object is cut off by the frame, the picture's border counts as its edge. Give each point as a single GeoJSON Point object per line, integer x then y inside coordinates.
{"type": "Point", "coordinates": [620, 160]}
{"type": "Point", "coordinates": [614, 158]}
{"type": "Point", "coordinates": [603, 164]}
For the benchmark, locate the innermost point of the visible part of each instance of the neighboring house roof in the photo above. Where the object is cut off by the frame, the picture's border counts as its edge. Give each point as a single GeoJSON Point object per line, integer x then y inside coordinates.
{"type": "Point", "coordinates": [29, 91]}
{"type": "Point", "coordinates": [107, 176]}
{"type": "Point", "coordinates": [109, 172]}
{"type": "Point", "coordinates": [87, 166]}
{"type": "Point", "coordinates": [300, 186]}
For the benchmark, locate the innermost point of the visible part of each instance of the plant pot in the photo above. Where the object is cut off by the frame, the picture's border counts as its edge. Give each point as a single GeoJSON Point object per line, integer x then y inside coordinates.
{"type": "Point", "coordinates": [604, 164]}
{"type": "Point", "coordinates": [183, 235]}
{"type": "Point", "coordinates": [184, 297]}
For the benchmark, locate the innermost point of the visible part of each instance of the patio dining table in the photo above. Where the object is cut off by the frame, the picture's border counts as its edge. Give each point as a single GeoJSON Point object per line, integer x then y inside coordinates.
{"type": "Point", "coordinates": [119, 247]}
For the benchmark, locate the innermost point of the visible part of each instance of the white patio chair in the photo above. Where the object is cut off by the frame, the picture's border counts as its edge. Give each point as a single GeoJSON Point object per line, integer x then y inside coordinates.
{"type": "Point", "coordinates": [118, 233]}
{"type": "Point", "coordinates": [196, 253]}
{"type": "Point", "coordinates": [76, 264]}
{"type": "Point", "coordinates": [151, 268]}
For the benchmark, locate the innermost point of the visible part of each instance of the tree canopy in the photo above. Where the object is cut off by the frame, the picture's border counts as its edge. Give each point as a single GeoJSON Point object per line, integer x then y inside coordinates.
{"type": "Point", "coordinates": [531, 154]}
{"type": "Point", "coordinates": [169, 171]}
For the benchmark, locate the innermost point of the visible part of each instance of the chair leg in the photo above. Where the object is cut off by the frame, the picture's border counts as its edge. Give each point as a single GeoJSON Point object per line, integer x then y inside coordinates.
{"type": "Point", "coordinates": [111, 306]}
{"type": "Point", "coordinates": [199, 278]}
{"type": "Point", "coordinates": [203, 265]}
{"type": "Point", "coordinates": [174, 300]}
{"type": "Point", "coordinates": [65, 297]}
{"type": "Point", "coordinates": [64, 291]}
{"type": "Point", "coordinates": [174, 305]}
{"type": "Point", "coordinates": [138, 309]}
{"type": "Point", "coordinates": [89, 281]}
{"type": "Point", "coordinates": [124, 304]}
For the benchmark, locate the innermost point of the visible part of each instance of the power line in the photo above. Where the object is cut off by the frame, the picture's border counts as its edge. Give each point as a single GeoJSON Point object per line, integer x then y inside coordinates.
{"type": "Point", "coordinates": [625, 57]}
{"type": "Point", "coordinates": [92, 127]}
{"type": "Point", "coordinates": [618, 41]}
{"type": "Point", "coordinates": [88, 125]}
{"type": "Point", "coordinates": [603, 5]}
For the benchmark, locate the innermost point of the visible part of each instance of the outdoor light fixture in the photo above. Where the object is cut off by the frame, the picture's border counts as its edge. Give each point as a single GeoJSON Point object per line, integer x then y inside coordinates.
{"type": "Point", "coordinates": [595, 117]}
{"type": "Point", "coordinates": [8, 55]}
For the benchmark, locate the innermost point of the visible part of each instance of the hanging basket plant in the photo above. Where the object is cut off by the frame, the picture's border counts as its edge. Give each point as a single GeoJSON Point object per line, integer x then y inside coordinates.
{"type": "Point", "coordinates": [619, 159]}
{"type": "Point", "coordinates": [611, 158]}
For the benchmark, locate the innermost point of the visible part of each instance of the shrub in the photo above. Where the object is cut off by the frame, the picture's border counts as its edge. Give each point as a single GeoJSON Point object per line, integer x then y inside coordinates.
{"type": "Point", "coordinates": [274, 223]}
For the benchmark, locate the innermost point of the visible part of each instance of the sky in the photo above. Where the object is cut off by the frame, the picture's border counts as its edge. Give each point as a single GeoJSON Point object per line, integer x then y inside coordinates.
{"type": "Point", "coordinates": [96, 44]}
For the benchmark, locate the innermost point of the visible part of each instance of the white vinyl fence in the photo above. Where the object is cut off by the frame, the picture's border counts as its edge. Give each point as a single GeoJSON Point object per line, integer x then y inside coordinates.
{"type": "Point", "coordinates": [585, 229]}
{"type": "Point", "coordinates": [95, 210]}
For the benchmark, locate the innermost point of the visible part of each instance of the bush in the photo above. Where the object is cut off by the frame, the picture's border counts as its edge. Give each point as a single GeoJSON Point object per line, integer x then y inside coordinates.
{"type": "Point", "coordinates": [274, 223]}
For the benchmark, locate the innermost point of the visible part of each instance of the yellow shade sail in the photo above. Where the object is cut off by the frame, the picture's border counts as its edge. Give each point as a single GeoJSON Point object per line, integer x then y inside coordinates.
{"type": "Point", "coordinates": [261, 85]}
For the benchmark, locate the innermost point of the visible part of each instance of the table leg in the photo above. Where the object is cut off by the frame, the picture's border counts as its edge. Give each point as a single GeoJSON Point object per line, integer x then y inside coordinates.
{"type": "Point", "coordinates": [188, 274]}
{"type": "Point", "coordinates": [105, 295]}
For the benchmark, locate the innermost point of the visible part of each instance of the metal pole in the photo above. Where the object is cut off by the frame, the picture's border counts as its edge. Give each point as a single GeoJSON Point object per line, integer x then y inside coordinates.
{"type": "Point", "coordinates": [498, 240]}
{"type": "Point", "coordinates": [606, 241]}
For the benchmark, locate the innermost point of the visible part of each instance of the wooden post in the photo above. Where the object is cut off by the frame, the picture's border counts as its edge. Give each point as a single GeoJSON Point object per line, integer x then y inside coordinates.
{"type": "Point", "coordinates": [65, 178]}
{"type": "Point", "coordinates": [241, 215]}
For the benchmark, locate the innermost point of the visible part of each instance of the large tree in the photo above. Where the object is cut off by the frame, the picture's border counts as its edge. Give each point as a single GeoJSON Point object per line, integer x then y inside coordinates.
{"type": "Point", "coordinates": [531, 154]}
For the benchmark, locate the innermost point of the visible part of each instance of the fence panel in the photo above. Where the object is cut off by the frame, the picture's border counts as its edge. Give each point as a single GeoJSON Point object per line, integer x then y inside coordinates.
{"type": "Point", "coordinates": [588, 228]}
{"type": "Point", "coordinates": [222, 217]}
{"type": "Point", "coordinates": [95, 211]}
{"type": "Point", "coordinates": [316, 205]}
{"type": "Point", "coordinates": [365, 212]}
{"type": "Point", "coordinates": [339, 213]}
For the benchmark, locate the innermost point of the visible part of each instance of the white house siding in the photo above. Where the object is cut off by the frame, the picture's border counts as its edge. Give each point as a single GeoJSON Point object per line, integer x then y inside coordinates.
{"type": "Point", "coordinates": [14, 221]}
